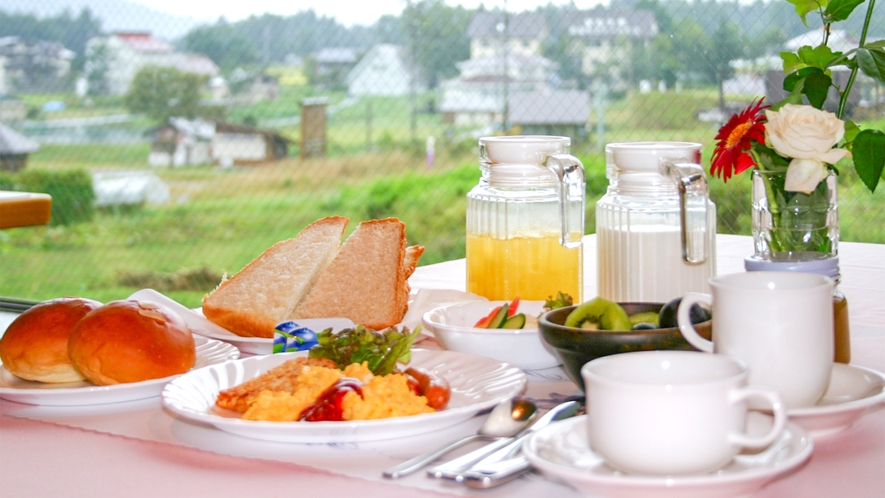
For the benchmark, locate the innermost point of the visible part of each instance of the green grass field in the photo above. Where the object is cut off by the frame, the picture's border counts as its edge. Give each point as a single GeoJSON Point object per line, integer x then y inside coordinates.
{"type": "Point", "coordinates": [219, 220]}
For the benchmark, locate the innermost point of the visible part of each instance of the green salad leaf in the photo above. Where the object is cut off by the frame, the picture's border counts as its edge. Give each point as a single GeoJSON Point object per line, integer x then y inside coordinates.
{"type": "Point", "coordinates": [381, 350]}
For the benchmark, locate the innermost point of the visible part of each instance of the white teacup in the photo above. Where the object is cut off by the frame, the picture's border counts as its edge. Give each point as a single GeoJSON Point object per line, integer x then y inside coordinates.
{"type": "Point", "coordinates": [779, 323]}
{"type": "Point", "coordinates": [672, 412]}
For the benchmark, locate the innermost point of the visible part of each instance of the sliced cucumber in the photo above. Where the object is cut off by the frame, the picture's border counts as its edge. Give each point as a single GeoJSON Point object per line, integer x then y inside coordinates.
{"type": "Point", "coordinates": [516, 321]}
{"type": "Point", "coordinates": [498, 320]}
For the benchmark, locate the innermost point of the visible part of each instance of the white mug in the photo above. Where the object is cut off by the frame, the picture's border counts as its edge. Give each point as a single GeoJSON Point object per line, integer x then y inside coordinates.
{"type": "Point", "coordinates": [672, 412]}
{"type": "Point", "coordinates": [779, 323]}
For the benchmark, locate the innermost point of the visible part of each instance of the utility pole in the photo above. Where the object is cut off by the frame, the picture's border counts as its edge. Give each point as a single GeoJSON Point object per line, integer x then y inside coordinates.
{"type": "Point", "coordinates": [412, 62]}
{"type": "Point", "coordinates": [505, 46]}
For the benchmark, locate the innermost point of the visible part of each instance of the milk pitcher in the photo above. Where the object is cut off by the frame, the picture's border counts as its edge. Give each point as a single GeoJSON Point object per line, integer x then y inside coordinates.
{"type": "Point", "coordinates": [525, 220]}
{"type": "Point", "coordinates": [655, 226]}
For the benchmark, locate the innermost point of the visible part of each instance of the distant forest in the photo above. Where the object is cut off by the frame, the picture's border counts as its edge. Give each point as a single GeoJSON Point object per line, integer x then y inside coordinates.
{"type": "Point", "coordinates": [436, 32]}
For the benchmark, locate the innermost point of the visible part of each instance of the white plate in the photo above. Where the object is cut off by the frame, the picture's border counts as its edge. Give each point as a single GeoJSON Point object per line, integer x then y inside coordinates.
{"type": "Point", "coordinates": [452, 325]}
{"type": "Point", "coordinates": [853, 391]}
{"type": "Point", "coordinates": [477, 383]}
{"type": "Point", "coordinates": [209, 352]}
{"type": "Point", "coordinates": [199, 324]}
{"type": "Point", "coordinates": [561, 451]}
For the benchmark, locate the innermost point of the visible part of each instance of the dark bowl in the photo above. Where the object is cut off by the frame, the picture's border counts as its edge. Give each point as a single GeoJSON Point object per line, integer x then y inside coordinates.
{"type": "Point", "coordinates": [575, 347]}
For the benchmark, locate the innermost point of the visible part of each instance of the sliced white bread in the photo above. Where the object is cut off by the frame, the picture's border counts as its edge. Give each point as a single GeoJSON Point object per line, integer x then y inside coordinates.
{"type": "Point", "coordinates": [367, 280]}
{"type": "Point", "coordinates": [267, 290]}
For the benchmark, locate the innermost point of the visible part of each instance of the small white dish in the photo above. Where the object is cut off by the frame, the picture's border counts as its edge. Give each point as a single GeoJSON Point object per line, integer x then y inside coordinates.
{"type": "Point", "coordinates": [477, 384]}
{"type": "Point", "coordinates": [561, 451]}
{"type": "Point", "coordinates": [209, 352]}
{"type": "Point", "coordinates": [853, 391]}
{"type": "Point", "coordinates": [452, 325]}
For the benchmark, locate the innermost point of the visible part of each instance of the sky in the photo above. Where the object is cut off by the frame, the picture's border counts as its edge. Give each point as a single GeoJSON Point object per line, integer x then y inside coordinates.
{"type": "Point", "coordinates": [347, 12]}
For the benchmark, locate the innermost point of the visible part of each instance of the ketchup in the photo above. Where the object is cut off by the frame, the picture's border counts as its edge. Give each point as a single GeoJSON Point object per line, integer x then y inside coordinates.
{"type": "Point", "coordinates": [329, 406]}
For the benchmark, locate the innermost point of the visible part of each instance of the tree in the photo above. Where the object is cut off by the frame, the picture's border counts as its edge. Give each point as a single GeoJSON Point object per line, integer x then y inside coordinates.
{"type": "Point", "coordinates": [96, 69]}
{"type": "Point", "coordinates": [223, 45]}
{"type": "Point", "coordinates": [691, 47]}
{"type": "Point", "coordinates": [164, 92]}
{"type": "Point", "coordinates": [436, 36]}
{"type": "Point", "coordinates": [727, 47]}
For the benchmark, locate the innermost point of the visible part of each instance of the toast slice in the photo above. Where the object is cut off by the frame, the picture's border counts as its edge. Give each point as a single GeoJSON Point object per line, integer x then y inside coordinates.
{"type": "Point", "coordinates": [367, 280]}
{"type": "Point", "coordinates": [267, 290]}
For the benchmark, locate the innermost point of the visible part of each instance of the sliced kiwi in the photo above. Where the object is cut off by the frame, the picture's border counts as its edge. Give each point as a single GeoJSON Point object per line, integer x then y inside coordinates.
{"type": "Point", "coordinates": [645, 317]}
{"type": "Point", "coordinates": [599, 314]}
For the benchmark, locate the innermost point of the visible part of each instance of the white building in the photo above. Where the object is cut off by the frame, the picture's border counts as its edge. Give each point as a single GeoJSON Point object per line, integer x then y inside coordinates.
{"type": "Point", "coordinates": [520, 34]}
{"type": "Point", "coordinates": [384, 72]}
{"type": "Point", "coordinates": [477, 96]}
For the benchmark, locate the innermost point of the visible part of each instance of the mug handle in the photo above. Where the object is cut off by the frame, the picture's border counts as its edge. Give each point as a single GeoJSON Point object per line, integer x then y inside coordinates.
{"type": "Point", "coordinates": [685, 327]}
{"type": "Point", "coordinates": [778, 408]}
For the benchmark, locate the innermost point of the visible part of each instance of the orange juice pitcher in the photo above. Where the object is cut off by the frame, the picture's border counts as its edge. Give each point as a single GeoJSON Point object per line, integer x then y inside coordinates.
{"type": "Point", "coordinates": [525, 220]}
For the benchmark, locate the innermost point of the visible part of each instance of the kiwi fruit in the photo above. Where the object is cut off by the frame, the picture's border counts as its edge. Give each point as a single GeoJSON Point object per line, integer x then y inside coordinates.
{"type": "Point", "coordinates": [645, 317]}
{"type": "Point", "coordinates": [599, 314]}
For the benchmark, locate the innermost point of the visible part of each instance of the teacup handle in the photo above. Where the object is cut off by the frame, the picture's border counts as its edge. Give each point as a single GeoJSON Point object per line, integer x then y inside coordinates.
{"type": "Point", "coordinates": [777, 407]}
{"type": "Point", "coordinates": [685, 327]}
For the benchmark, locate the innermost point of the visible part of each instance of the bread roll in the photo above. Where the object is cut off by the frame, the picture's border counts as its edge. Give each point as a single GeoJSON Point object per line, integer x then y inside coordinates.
{"type": "Point", "coordinates": [131, 341]}
{"type": "Point", "coordinates": [35, 345]}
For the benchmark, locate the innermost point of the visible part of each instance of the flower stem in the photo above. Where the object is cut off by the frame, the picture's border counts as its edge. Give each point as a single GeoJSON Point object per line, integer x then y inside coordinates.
{"type": "Point", "coordinates": [843, 100]}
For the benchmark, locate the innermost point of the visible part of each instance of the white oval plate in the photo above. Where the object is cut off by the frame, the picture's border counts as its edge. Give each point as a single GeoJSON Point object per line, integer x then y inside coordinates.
{"type": "Point", "coordinates": [477, 384]}
{"type": "Point", "coordinates": [562, 451]}
{"type": "Point", "coordinates": [209, 352]}
{"type": "Point", "coordinates": [853, 391]}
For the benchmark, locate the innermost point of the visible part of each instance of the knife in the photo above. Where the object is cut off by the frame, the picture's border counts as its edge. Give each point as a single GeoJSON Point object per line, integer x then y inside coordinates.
{"type": "Point", "coordinates": [497, 473]}
{"type": "Point", "coordinates": [497, 450]}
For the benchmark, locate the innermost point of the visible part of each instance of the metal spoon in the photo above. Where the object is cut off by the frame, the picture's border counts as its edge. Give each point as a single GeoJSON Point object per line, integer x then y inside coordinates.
{"type": "Point", "coordinates": [506, 419]}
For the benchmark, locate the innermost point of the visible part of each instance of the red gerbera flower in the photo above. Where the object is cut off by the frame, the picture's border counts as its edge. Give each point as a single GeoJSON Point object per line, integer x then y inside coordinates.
{"type": "Point", "coordinates": [734, 139]}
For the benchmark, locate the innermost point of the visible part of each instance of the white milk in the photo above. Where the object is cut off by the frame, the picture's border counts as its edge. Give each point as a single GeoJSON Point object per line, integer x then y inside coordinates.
{"type": "Point", "coordinates": [630, 270]}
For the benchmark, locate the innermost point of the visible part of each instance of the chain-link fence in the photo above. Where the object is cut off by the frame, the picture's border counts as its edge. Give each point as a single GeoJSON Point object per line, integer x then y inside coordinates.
{"type": "Point", "coordinates": [206, 142]}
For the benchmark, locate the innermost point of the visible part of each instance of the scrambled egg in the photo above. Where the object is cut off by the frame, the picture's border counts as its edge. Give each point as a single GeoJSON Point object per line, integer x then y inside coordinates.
{"type": "Point", "coordinates": [383, 397]}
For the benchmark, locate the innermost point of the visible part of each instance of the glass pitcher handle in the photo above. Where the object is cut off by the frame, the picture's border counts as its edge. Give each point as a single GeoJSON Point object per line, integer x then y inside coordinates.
{"type": "Point", "coordinates": [571, 185]}
{"type": "Point", "coordinates": [692, 184]}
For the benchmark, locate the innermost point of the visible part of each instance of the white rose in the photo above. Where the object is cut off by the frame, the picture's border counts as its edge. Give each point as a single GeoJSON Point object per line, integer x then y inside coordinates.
{"type": "Point", "coordinates": [803, 132]}
{"type": "Point", "coordinates": [803, 175]}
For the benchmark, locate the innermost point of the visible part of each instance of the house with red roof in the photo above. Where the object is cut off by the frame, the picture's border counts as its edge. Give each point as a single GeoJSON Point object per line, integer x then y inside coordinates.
{"type": "Point", "coordinates": [126, 53]}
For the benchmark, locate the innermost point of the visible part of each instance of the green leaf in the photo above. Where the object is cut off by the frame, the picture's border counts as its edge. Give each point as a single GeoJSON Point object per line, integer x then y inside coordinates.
{"type": "Point", "coordinates": [868, 152]}
{"type": "Point", "coordinates": [791, 62]}
{"type": "Point", "coordinates": [793, 82]}
{"type": "Point", "coordinates": [803, 7]}
{"type": "Point", "coordinates": [839, 10]}
{"type": "Point", "coordinates": [816, 87]}
{"type": "Point", "coordinates": [872, 63]}
{"type": "Point", "coordinates": [819, 56]}
{"type": "Point", "coordinates": [851, 131]}
{"type": "Point", "coordinates": [875, 44]}
{"type": "Point", "coordinates": [770, 160]}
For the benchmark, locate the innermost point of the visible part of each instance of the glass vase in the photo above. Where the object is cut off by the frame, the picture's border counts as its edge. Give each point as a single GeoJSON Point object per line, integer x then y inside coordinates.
{"type": "Point", "coordinates": [794, 226]}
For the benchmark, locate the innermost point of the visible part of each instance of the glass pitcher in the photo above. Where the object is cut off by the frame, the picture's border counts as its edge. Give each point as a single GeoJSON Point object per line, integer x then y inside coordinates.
{"type": "Point", "coordinates": [655, 226]}
{"type": "Point", "coordinates": [525, 220]}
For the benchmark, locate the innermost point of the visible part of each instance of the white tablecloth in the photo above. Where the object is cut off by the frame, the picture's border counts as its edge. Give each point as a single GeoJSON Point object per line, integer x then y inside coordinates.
{"type": "Point", "coordinates": [136, 449]}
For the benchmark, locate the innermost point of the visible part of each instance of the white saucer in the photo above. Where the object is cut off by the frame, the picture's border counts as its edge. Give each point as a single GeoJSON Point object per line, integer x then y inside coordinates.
{"type": "Point", "coordinates": [561, 451]}
{"type": "Point", "coordinates": [853, 391]}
